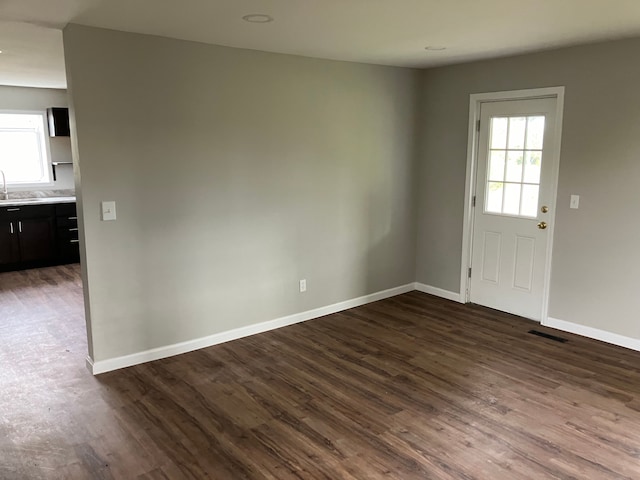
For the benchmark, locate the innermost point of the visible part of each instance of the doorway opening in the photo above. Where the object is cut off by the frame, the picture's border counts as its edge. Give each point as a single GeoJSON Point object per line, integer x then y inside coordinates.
{"type": "Point", "coordinates": [42, 316]}
{"type": "Point", "coordinates": [510, 201]}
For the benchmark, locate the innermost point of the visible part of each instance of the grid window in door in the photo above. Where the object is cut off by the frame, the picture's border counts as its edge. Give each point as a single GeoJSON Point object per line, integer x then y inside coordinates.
{"type": "Point", "coordinates": [515, 161]}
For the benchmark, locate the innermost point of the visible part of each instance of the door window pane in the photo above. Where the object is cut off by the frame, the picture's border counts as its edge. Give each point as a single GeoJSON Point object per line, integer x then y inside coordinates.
{"type": "Point", "coordinates": [494, 197]}
{"type": "Point", "coordinates": [511, 202]}
{"type": "Point", "coordinates": [535, 133]}
{"type": "Point", "coordinates": [499, 132]}
{"type": "Point", "coordinates": [532, 164]}
{"type": "Point", "coordinates": [514, 165]}
{"type": "Point", "coordinates": [517, 128]}
{"type": "Point", "coordinates": [529, 207]}
{"type": "Point", "coordinates": [496, 166]}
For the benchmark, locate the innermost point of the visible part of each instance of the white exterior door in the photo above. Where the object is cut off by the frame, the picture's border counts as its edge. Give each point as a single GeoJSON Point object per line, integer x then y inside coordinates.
{"type": "Point", "coordinates": [514, 205]}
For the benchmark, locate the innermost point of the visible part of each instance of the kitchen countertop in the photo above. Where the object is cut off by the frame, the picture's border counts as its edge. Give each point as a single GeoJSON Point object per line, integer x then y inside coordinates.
{"type": "Point", "coordinates": [19, 202]}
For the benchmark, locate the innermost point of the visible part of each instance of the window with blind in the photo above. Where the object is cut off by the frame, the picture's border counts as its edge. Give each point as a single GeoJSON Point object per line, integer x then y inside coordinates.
{"type": "Point", "coordinates": [24, 156]}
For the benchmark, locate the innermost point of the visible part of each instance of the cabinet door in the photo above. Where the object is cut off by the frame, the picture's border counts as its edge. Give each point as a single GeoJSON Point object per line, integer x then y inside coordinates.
{"type": "Point", "coordinates": [8, 242]}
{"type": "Point", "coordinates": [36, 239]}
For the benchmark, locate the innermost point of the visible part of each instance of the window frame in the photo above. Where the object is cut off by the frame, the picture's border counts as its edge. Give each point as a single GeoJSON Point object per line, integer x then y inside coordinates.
{"type": "Point", "coordinates": [522, 183]}
{"type": "Point", "coordinates": [46, 152]}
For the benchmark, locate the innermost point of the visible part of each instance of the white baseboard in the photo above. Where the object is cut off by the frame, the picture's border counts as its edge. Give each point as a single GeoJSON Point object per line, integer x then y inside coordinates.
{"type": "Point", "coordinates": [439, 292]}
{"type": "Point", "coordinates": [590, 332]}
{"type": "Point", "coordinates": [89, 364]}
{"type": "Point", "coordinates": [103, 366]}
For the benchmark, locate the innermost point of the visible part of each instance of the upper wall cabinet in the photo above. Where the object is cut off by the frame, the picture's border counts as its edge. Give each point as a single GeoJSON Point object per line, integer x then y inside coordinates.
{"type": "Point", "coordinates": [58, 122]}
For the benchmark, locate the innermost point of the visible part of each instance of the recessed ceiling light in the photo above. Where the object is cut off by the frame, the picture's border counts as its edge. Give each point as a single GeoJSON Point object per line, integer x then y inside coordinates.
{"type": "Point", "coordinates": [434, 48]}
{"type": "Point", "coordinates": [258, 18]}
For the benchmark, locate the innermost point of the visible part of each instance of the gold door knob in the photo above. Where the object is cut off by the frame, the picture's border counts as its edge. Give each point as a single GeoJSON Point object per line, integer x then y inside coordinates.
{"type": "Point", "coordinates": [542, 225]}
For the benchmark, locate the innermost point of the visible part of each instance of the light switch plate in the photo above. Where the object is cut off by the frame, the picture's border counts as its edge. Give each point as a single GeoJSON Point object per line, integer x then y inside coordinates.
{"type": "Point", "coordinates": [108, 211]}
{"type": "Point", "coordinates": [575, 201]}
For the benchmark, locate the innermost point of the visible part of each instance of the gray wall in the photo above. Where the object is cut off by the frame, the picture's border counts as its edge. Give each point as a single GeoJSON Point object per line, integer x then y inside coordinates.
{"type": "Point", "coordinates": [596, 254]}
{"type": "Point", "coordinates": [236, 173]}
{"type": "Point", "coordinates": [20, 98]}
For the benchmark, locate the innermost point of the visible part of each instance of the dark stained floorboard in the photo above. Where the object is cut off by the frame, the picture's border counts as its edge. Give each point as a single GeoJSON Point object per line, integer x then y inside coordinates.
{"type": "Point", "coordinates": [412, 387]}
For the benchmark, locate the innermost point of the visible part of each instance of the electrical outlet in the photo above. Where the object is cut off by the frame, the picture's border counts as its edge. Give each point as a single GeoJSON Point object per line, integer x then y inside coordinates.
{"type": "Point", "coordinates": [303, 285]}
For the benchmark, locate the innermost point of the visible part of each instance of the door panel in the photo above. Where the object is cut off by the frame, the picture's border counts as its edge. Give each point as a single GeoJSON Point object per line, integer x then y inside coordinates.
{"type": "Point", "coordinates": [491, 257]}
{"type": "Point", "coordinates": [523, 263]}
{"type": "Point", "coordinates": [514, 180]}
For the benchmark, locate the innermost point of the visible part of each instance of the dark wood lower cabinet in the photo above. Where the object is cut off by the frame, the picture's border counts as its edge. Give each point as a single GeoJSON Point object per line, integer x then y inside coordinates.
{"type": "Point", "coordinates": [9, 249]}
{"type": "Point", "coordinates": [31, 237]}
{"type": "Point", "coordinates": [67, 233]}
{"type": "Point", "coordinates": [35, 237]}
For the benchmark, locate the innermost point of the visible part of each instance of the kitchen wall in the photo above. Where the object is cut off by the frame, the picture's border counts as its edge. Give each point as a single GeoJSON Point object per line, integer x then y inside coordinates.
{"type": "Point", "coordinates": [236, 173]}
{"type": "Point", "coordinates": [594, 280]}
{"type": "Point", "coordinates": [20, 98]}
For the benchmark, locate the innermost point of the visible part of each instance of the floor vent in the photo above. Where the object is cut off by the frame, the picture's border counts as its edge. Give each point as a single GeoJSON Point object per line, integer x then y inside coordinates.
{"type": "Point", "coordinates": [549, 336]}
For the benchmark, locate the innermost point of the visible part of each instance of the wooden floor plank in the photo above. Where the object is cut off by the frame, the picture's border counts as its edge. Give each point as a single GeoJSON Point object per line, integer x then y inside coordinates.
{"type": "Point", "coordinates": [412, 387]}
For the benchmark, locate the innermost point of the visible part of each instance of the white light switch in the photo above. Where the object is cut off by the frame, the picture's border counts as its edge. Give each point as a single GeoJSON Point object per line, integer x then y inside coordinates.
{"type": "Point", "coordinates": [108, 211]}
{"type": "Point", "coordinates": [575, 201]}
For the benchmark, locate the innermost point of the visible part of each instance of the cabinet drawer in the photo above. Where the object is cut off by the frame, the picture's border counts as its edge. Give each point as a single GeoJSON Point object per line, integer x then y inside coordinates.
{"type": "Point", "coordinates": [70, 221]}
{"type": "Point", "coordinates": [69, 249]}
{"type": "Point", "coordinates": [66, 210]}
{"type": "Point", "coordinates": [67, 233]}
{"type": "Point", "coordinates": [24, 212]}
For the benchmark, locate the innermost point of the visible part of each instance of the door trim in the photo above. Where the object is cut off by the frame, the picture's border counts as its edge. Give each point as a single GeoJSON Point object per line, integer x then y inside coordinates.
{"type": "Point", "coordinates": [475, 102]}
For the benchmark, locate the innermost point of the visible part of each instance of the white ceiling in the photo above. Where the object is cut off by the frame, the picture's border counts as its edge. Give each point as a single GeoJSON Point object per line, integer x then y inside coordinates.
{"type": "Point", "coordinates": [387, 32]}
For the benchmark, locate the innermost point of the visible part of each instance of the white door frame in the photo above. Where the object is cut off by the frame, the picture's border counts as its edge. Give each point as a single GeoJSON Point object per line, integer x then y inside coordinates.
{"type": "Point", "coordinates": [476, 101]}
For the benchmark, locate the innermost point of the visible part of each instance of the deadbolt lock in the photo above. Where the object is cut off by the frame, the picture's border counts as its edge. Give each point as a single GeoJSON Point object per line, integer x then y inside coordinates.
{"type": "Point", "coordinates": [544, 209]}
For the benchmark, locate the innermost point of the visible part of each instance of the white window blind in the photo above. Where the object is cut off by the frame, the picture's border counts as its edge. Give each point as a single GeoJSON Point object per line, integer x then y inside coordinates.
{"type": "Point", "coordinates": [23, 149]}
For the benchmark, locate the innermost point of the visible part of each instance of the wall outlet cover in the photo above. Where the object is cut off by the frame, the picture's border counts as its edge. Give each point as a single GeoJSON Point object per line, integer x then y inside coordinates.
{"type": "Point", "coordinates": [108, 211]}
{"type": "Point", "coordinates": [575, 201]}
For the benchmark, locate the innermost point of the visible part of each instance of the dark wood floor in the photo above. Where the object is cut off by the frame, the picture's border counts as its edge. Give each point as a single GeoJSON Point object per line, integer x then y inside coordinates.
{"type": "Point", "coordinates": [412, 387]}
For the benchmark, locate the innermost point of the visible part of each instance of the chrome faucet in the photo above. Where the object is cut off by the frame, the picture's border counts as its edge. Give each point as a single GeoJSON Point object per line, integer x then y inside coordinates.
{"type": "Point", "coordinates": [5, 193]}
